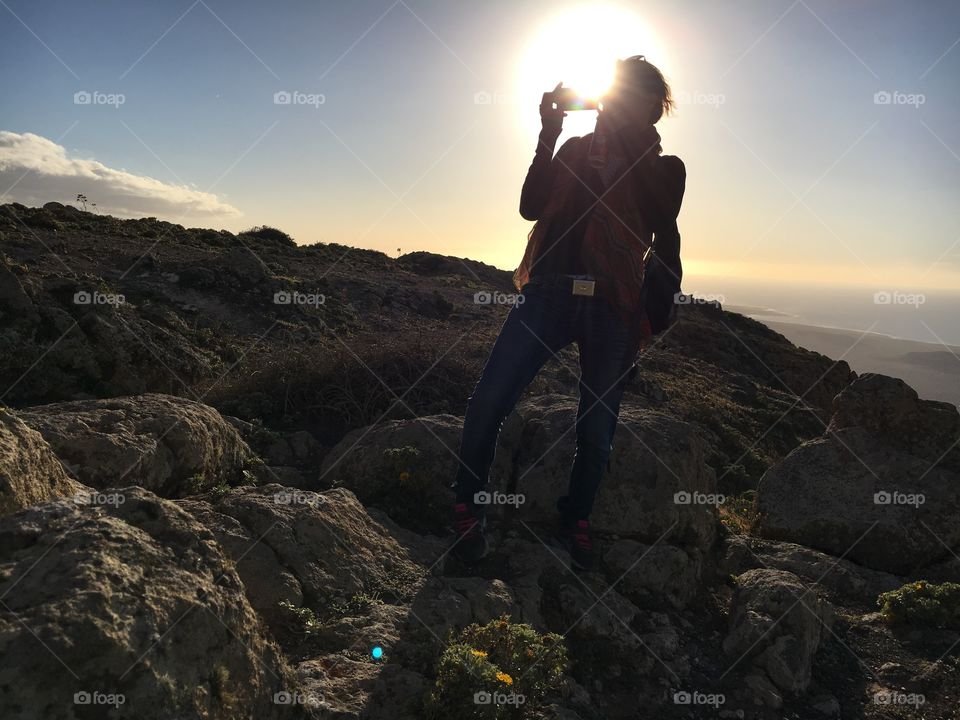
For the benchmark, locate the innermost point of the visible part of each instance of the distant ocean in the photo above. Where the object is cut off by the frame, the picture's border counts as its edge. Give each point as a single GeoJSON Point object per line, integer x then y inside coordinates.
{"type": "Point", "coordinates": [909, 334]}
{"type": "Point", "coordinates": [903, 313]}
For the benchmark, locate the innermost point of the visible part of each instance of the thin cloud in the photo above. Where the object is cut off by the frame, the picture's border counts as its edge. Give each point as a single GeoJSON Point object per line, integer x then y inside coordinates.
{"type": "Point", "coordinates": [35, 170]}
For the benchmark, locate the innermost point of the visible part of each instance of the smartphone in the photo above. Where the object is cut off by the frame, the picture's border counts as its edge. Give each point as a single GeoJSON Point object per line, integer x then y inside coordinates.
{"type": "Point", "coordinates": [568, 100]}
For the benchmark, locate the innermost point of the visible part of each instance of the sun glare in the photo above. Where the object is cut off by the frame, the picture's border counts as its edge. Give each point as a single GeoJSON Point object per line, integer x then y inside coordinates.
{"type": "Point", "coordinates": [579, 47]}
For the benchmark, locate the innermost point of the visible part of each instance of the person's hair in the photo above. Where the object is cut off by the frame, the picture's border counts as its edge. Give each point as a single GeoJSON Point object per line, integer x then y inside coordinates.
{"type": "Point", "coordinates": [636, 72]}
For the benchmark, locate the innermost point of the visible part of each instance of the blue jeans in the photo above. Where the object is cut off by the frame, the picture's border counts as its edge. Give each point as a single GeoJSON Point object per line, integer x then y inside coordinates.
{"type": "Point", "coordinates": [548, 320]}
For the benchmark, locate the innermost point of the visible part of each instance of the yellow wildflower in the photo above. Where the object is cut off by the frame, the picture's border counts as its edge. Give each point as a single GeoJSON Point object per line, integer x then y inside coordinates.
{"type": "Point", "coordinates": [504, 678]}
{"type": "Point", "coordinates": [478, 653]}
{"type": "Point", "coordinates": [404, 476]}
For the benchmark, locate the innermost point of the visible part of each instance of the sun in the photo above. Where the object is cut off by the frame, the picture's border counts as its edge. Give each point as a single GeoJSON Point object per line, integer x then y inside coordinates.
{"type": "Point", "coordinates": [579, 46]}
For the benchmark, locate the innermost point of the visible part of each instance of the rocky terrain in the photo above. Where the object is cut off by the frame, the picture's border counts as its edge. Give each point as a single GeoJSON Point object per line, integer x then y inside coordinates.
{"type": "Point", "coordinates": [225, 464]}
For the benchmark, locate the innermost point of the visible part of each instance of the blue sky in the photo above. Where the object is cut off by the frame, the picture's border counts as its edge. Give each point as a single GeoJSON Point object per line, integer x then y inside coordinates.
{"type": "Point", "coordinates": [794, 170]}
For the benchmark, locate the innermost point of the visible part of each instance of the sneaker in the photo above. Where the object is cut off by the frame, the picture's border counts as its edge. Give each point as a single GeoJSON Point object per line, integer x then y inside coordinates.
{"type": "Point", "coordinates": [471, 543]}
{"type": "Point", "coordinates": [575, 538]}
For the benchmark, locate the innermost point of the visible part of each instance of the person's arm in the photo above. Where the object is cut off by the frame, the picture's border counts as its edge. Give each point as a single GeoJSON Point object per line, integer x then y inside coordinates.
{"type": "Point", "coordinates": [665, 188]}
{"type": "Point", "coordinates": [663, 196]}
{"type": "Point", "coordinates": [536, 186]}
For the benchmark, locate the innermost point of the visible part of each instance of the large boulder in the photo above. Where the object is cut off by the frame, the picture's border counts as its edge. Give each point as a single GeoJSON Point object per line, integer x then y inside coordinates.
{"type": "Point", "coordinates": [362, 582]}
{"type": "Point", "coordinates": [128, 609]}
{"type": "Point", "coordinates": [891, 411]}
{"type": "Point", "coordinates": [658, 486]}
{"type": "Point", "coordinates": [742, 553]}
{"type": "Point", "coordinates": [405, 467]}
{"type": "Point", "coordinates": [777, 624]}
{"type": "Point", "coordinates": [610, 637]}
{"type": "Point", "coordinates": [167, 444]}
{"type": "Point", "coordinates": [658, 577]}
{"type": "Point", "coordinates": [30, 473]}
{"type": "Point", "coordinates": [871, 490]}
{"type": "Point", "coordinates": [312, 549]}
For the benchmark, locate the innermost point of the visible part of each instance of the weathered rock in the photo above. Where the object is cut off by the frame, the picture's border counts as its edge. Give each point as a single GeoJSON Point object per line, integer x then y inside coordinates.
{"type": "Point", "coordinates": [265, 578]}
{"type": "Point", "coordinates": [404, 467]}
{"type": "Point", "coordinates": [29, 471]}
{"type": "Point", "coordinates": [655, 458]}
{"type": "Point", "coordinates": [349, 689]}
{"type": "Point", "coordinates": [776, 627]}
{"type": "Point", "coordinates": [312, 549]}
{"type": "Point", "coordinates": [133, 599]}
{"type": "Point", "coordinates": [608, 636]}
{"type": "Point", "coordinates": [455, 602]}
{"type": "Point", "coordinates": [826, 705]}
{"type": "Point", "coordinates": [881, 487]}
{"type": "Point", "coordinates": [14, 301]}
{"type": "Point", "coordinates": [891, 411]}
{"type": "Point", "coordinates": [655, 576]}
{"type": "Point", "coordinates": [167, 444]}
{"type": "Point", "coordinates": [855, 496]}
{"type": "Point", "coordinates": [838, 574]}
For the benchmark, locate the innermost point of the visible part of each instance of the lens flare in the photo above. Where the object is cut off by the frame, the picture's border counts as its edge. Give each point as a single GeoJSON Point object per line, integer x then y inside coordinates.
{"type": "Point", "coordinates": [580, 47]}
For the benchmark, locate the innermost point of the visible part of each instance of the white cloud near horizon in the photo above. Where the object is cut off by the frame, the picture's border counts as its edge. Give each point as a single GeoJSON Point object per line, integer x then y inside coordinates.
{"type": "Point", "coordinates": [35, 170]}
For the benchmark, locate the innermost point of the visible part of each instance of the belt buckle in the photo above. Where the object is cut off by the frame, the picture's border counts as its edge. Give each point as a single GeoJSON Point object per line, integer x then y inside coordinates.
{"type": "Point", "coordinates": [584, 287]}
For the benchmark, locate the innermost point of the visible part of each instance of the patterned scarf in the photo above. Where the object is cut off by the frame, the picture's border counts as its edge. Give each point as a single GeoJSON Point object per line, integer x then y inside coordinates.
{"type": "Point", "coordinates": [616, 237]}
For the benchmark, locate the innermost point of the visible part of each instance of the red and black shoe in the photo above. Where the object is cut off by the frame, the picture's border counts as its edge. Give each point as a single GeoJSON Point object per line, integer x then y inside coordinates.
{"type": "Point", "coordinates": [574, 537]}
{"type": "Point", "coordinates": [470, 545]}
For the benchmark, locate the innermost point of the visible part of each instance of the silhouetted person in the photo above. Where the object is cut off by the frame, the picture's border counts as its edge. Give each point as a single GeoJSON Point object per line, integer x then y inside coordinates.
{"type": "Point", "coordinates": [599, 205]}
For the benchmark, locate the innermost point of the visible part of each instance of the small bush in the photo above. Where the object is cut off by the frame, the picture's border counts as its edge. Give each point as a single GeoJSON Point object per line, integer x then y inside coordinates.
{"type": "Point", "coordinates": [271, 234]}
{"type": "Point", "coordinates": [922, 603]}
{"type": "Point", "coordinates": [500, 661]}
{"type": "Point", "coordinates": [739, 512]}
{"type": "Point", "coordinates": [407, 489]}
{"type": "Point", "coordinates": [303, 617]}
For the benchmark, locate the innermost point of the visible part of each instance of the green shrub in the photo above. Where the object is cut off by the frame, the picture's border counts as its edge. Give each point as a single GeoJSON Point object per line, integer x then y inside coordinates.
{"type": "Point", "coordinates": [304, 617]}
{"type": "Point", "coordinates": [922, 603]}
{"type": "Point", "coordinates": [497, 670]}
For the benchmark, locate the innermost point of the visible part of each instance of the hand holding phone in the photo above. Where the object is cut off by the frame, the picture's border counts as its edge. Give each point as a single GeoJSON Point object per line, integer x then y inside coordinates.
{"type": "Point", "coordinates": [550, 115]}
{"type": "Point", "coordinates": [568, 100]}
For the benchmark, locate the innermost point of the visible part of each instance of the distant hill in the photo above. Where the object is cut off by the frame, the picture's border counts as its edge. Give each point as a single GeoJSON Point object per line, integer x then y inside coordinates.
{"type": "Point", "coordinates": [931, 369]}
